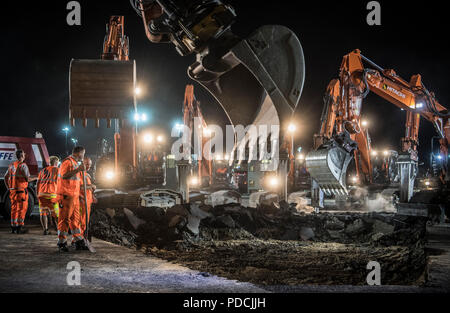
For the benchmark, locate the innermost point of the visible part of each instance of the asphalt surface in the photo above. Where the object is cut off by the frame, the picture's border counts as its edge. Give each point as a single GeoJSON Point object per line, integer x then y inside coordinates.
{"type": "Point", "coordinates": [31, 263]}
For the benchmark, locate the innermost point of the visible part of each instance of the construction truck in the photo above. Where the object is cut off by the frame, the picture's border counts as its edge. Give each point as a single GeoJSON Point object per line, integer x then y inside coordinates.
{"type": "Point", "coordinates": [344, 136]}
{"type": "Point", "coordinates": [36, 158]}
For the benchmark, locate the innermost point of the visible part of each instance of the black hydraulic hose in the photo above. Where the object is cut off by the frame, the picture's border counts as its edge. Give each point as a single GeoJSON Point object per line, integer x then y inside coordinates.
{"type": "Point", "coordinates": [366, 92]}
{"type": "Point", "coordinates": [376, 66]}
{"type": "Point", "coordinates": [431, 105]}
{"type": "Point", "coordinates": [135, 4]}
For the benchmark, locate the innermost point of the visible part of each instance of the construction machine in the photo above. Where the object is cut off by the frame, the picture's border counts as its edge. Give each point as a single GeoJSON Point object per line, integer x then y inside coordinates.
{"type": "Point", "coordinates": [194, 120]}
{"type": "Point", "coordinates": [257, 81]}
{"type": "Point", "coordinates": [240, 74]}
{"type": "Point", "coordinates": [105, 89]}
{"type": "Point", "coordinates": [209, 171]}
{"type": "Point", "coordinates": [153, 146]}
{"type": "Point", "coordinates": [244, 75]}
{"type": "Point", "coordinates": [343, 137]}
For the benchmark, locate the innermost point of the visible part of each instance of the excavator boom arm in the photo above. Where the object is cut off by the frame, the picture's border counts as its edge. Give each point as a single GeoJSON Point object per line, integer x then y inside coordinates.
{"type": "Point", "coordinates": [264, 71]}
{"type": "Point", "coordinates": [191, 111]}
{"type": "Point", "coordinates": [116, 44]}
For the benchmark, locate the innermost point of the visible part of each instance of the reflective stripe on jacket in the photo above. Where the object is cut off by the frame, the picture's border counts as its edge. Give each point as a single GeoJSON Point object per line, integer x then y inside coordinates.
{"type": "Point", "coordinates": [89, 192]}
{"type": "Point", "coordinates": [18, 176]}
{"type": "Point", "coordinates": [68, 186]}
{"type": "Point", "coordinates": [47, 181]}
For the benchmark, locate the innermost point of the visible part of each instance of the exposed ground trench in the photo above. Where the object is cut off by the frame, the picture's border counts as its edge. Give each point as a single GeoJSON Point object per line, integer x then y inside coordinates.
{"type": "Point", "coordinates": [269, 246]}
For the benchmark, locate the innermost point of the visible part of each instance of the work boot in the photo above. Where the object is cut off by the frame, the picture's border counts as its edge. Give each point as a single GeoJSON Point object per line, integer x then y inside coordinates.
{"type": "Point", "coordinates": [81, 245]}
{"type": "Point", "coordinates": [46, 232]}
{"type": "Point", "coordinates": [22, 230]}
{"type": "Point", "coordinates": [13, 229]}
{"type": "Point", "coordinates": [63, 247]}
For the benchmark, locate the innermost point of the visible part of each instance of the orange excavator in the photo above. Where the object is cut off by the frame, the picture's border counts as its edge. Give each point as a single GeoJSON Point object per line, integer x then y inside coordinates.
{"type": "Point", "coordinates": [191, 114]}
{"type": "Point", "coordinates": [265, 69]}
{"type": "Point", "coordinates": [343, 137]}
{"type": "Point", "coordinates": [104, 89]}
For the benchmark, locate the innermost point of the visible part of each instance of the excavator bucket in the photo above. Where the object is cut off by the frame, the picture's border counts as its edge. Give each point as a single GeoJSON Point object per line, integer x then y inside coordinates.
{"type": "Point", "coordinates": [102, 89]}
{"type": "Point", "coordinates": [328, 167]}
{"type": "Point", "coordinates": [105, 89]}
{"type": "Point", "coordinates": [267, 66]}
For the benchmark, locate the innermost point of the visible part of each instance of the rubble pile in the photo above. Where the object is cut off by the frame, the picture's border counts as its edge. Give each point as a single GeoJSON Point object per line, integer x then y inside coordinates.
{"type": "Point", "coordinates": [272, 244]}
{"type": "Point", "coordinates": [113, 226]}
{"type": "Point", "coordinates": [269, 222]}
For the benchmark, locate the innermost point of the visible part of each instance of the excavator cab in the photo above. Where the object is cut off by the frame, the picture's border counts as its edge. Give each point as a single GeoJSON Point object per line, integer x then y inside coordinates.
{"type": "Point", "coordinates": [105, 89]}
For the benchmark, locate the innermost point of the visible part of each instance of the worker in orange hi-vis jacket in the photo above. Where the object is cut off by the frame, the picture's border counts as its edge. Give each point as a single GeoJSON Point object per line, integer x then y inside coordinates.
{"type": "Point", "coordinates": [68, 193]}
{"type": "Point", "coordinates": [90, 188]}
{"type": "Point", "coordinates": [16, 179]}
{"type": "Point", "coordinates": [46, 189]}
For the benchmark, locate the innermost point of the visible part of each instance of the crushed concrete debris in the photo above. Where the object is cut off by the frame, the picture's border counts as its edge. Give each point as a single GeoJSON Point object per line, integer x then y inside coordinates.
{"type": "Point", "coordinates": [222, 197]}
{"type": "Point", "coordinates": [262, 198]}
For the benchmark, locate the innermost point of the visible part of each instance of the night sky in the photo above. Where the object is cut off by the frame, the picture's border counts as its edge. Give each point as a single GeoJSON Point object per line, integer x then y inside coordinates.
{"type": "Point", "coordinates": [37, 46]}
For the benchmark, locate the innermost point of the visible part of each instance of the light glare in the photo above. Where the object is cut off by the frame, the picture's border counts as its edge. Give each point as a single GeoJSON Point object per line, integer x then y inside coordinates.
{"type": "Point", "coordinates": [109, 175]}
{"type": "Point", "coordinates": [148, 138]}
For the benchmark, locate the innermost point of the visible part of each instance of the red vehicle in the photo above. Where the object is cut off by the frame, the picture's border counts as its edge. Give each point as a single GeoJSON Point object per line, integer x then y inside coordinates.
{"type": "Point", "coordinates": [36, 158]}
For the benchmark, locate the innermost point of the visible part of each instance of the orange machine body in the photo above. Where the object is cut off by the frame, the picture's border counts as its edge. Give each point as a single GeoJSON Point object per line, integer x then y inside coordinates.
{"type": "Point", "coordinates": [191, 110]}
{"type": "Point", "coordinates": [105, 89]}
{"type": "Point", "coordinates": [345, 96]}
